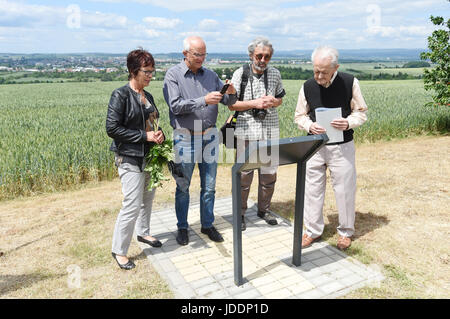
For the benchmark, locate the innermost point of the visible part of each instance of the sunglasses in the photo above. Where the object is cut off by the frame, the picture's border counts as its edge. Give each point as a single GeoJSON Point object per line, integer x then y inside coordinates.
{"type": "Point", "coordinates": [260, 56]}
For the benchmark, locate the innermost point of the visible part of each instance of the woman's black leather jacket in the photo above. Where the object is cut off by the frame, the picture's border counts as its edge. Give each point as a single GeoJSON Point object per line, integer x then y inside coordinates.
{"type": "Point", "coordinates": [125, 121]}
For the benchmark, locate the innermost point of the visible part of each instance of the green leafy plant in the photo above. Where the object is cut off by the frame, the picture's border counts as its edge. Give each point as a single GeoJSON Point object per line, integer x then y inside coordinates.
{"type": "Point", "coordinates": [157, 160]}
{"type": "Point", "coordinates": [438, 78]}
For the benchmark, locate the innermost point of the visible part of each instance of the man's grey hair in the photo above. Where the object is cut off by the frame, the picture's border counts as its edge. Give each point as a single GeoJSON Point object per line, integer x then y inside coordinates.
{"type": "Point", "coordinates": [325, 52]}
{"type": "Point", "coordinates": [259, 42]}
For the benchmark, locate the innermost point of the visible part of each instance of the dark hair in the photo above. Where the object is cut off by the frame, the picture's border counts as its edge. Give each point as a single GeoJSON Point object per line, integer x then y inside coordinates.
{"type": "Point", "coordinates": [137, 59]}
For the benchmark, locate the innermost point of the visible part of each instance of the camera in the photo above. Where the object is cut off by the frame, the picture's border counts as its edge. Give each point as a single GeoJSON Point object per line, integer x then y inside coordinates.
{"type": "Point", "coordinates": [259, 114]}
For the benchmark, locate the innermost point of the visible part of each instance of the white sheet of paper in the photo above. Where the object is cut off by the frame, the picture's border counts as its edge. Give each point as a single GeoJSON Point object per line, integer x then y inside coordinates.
{"type": "Point", "coordinates": [324, 116]}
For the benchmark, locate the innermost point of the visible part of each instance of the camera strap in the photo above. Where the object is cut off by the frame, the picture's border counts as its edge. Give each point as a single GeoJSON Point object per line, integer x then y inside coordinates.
{"type": "Point", "coordinates": [266, 81]}
{"type": "Point", "coordinates": [244, 81]}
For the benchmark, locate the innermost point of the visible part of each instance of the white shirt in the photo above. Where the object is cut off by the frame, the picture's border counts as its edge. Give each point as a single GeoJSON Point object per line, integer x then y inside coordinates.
{"type": "Point", "coordinates": [357, 104]}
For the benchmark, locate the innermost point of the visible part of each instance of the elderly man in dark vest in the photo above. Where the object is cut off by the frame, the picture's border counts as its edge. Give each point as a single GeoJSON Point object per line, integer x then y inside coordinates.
{"type": "Point", "coordinates": [330, 89]}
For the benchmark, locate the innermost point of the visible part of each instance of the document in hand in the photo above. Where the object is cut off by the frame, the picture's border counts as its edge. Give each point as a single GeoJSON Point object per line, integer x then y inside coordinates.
{"type": "Point", "coordinates": [324, 116]}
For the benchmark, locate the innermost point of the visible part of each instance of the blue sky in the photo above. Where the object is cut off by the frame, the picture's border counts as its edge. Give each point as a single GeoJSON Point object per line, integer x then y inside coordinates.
{"type": "Point", "coordinates": [116, 26]}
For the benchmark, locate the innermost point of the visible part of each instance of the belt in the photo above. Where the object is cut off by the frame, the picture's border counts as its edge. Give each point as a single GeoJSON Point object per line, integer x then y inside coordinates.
{"type": "Point", "coordinates": [200, 132]}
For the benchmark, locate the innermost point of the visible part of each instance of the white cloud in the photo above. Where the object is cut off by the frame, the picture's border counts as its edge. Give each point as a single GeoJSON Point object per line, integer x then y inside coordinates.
{"type": "Point", "coordinates": [40, 28]}
{"type": "Point", "coordinates": [103, 20]}
{"type": "Point", "coordinates": [151, 33]}
{"type": "Point", "coordinates": [162, 23]}
{"type": "Point", "coordinates": [206, 35]}
{"type": "Point", "coordinates": [208, 24]}
{"type": "Point", "coordinates": [399, 31]}
{"type": "Point", "coordinates": [347, 24]}
{"type": "Point", "coordinates": [226, 26]}
{"type": "Point", "coordinates": [26, 15]}
{"type": "Point", "coordinates": [418, 30]}
{"type": "Point", "coordinates": [20, 14]}
{"type": "Point", "coordinates": [192, 5]}
{"type": "Point", "coordinates": [382, 31]}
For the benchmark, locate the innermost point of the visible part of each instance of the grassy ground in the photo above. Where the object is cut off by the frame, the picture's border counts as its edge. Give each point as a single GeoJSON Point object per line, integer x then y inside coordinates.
{"type": "Point", "coordinates": [402, 227]}
{"type": "Point", "coordinates": [402, 217]}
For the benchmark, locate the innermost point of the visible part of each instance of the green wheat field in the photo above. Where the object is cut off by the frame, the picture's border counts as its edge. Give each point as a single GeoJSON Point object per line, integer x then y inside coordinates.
{"type": "Point", "coordinates": [52, 136]}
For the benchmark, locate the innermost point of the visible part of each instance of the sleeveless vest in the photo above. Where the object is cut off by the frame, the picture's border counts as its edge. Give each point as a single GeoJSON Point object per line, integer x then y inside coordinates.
{"type": "Point", "coordinates": [338, 94]}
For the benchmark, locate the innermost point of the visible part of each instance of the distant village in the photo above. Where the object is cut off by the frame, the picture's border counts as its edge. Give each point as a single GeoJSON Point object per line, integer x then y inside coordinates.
{"type": "Point", "coordinates": [47, 68]}
{"type": "Point", "coordinates": [95, 63]}
{"type": "Point", "coordinates": [63, 64]}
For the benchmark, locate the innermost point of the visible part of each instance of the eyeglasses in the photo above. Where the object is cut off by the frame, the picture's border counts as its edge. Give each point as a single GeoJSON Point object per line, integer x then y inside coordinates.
{"type": "Point", "coordinates": [149, 73]}
{"type": "Point", "coordinates": [198, 55]}
{"type": "Point", "coordinates": [323, 71]}
{"type": "Point", "coordinates": [260, 56]}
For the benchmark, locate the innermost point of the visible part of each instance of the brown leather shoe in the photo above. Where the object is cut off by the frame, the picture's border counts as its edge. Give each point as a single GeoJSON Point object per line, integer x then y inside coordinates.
{"type": "Point", "coordinates": [307, 241]}
{"type": "Point", "coordinates": [344, 242]}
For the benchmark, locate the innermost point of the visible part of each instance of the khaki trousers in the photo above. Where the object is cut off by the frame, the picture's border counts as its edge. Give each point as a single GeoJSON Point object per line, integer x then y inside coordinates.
{"type": "Point", "coordinates": [267, 176]}
{"type": "Point", "coordinates": [340, 160]}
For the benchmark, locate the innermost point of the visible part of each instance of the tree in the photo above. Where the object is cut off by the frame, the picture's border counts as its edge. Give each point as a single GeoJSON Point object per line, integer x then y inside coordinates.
{"type": "Point", "coordinates": [416, 64]}
{"type": "Point", "coordinates": [438, 78]}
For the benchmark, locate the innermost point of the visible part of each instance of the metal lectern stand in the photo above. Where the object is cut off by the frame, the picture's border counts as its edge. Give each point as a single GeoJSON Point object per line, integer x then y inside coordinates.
{"type": "Point", "coordinates": [266, 153]}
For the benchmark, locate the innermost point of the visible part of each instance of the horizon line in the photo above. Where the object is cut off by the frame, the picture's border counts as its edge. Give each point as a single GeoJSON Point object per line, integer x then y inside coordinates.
{"type": "Point", "coordinates": [229, 52]}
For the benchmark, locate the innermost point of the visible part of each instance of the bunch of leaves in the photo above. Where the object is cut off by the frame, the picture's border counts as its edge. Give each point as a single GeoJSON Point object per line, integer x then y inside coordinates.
{"type": "Point", "coordinates": [438, 79]}
{"type": "Point", "coordinates": [157, 159]}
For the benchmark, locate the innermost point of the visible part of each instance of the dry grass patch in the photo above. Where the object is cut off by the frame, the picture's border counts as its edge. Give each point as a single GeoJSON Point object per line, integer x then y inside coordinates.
{"type": "Point", "coordinates": [42, 236]}
{"type": "Point", "coordinates": [402, 226]}
{"type": "Point", "coordinates": [43, 250]}
{"type": "Point", "coordinates": [402, 218]}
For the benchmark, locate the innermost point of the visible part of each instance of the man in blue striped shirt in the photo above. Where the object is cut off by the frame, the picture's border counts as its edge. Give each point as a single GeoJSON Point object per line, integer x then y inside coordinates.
{"type": "Point", "coordinates": [192, 93]}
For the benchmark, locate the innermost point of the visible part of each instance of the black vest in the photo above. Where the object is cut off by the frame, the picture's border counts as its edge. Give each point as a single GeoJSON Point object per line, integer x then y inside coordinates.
{"type": "Point", "coordinates": [338, 94]}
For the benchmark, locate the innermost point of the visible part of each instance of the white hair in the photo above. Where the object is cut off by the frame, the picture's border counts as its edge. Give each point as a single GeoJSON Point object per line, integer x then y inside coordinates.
{"type": "Point", "coordinates": [326, 52]}
{"type": "Point", "coordinates": [187, 42]}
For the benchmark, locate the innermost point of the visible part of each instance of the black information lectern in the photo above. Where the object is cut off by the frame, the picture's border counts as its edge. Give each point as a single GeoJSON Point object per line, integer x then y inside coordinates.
{"type": "Point", "coordinates": [266, 153]}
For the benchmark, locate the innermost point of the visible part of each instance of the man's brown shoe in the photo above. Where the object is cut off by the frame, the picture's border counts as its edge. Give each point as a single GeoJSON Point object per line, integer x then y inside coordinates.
{"type": "Point", "coordinates": [307, 241]}
{"type": "Point", "coordinates": [344, 242]}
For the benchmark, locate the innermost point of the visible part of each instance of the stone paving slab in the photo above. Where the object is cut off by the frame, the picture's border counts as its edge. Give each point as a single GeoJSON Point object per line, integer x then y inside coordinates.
{"type": "Point", "coordinates": [204, 269]}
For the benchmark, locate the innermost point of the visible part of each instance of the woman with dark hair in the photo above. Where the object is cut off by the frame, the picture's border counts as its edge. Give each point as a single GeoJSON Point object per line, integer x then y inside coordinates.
{"type": "Point", "coordinates": [130, 122]}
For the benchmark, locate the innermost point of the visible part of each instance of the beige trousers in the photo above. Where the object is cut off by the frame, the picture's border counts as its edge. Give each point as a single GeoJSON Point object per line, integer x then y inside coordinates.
{"type": "Point", "coordinates": [136, 208]}
{"type": "Point", "coordinates": [340, 160]}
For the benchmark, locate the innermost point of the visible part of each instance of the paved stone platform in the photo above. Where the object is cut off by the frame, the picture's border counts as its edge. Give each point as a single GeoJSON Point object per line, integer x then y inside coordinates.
{"type": "Point", "coordinates": [204, 269]}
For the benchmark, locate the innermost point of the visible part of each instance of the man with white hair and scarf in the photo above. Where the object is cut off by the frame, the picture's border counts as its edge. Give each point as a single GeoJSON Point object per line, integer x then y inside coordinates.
{"type": "Point", "coordinates": [258, 120]}
{"type": "Point", "coordinates": [330, 88]}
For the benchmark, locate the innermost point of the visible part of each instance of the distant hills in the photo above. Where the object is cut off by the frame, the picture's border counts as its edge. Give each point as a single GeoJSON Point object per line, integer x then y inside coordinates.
{"type": "Point", "coordinates": [367, 54]}
{"type": "Point", "coordinates": [363, 55]}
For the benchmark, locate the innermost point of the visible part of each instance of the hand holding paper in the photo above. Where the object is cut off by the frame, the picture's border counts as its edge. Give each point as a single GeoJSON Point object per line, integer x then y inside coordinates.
{"type": "Point", "coordinates": [325, 117]}
{"type": "Point", "coordinates": [340, 124]}
{"type": "Point", "coordinates": [316, 129]}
